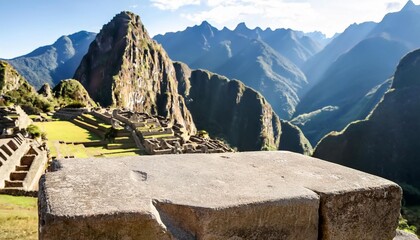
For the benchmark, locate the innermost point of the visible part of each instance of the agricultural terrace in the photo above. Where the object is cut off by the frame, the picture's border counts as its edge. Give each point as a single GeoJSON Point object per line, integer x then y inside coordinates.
{"type": "Point", "coordinates": [66, 139]}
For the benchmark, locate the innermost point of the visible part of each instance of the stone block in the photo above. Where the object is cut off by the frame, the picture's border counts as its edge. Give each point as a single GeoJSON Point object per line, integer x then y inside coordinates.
{"type": "Point", "coordinates": [262, 195]}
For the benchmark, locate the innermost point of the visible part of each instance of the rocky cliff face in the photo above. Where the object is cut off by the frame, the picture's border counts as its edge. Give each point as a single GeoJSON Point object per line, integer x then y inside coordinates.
{"type": "Point", "coordinates": [292, 139]}
{"type": "Point", "coordinates": [11, 80]}
{"type": "Point", "coordinates": [125, 68]}
{"type": "Point", "coordinates": [46, 91]}
{"type": "Point", "coordinates": [229, 110]}
{"type": "Point", "coordinates": [387, 143]}
{"type": "Point", "coordinates": [14, 89]}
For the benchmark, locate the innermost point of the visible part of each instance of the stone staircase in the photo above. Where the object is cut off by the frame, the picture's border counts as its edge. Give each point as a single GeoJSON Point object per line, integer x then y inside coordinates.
{"type": "Point", "coordinates": [17, 177]}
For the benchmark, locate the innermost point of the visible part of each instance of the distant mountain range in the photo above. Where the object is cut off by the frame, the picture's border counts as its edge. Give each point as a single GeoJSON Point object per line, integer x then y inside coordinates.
{"type": "Point", "coordinates": [356, 64]}
{"type": "Point", "coordinates": [265, 60]}
{"type": "Point", "coordinates": [53, 63]}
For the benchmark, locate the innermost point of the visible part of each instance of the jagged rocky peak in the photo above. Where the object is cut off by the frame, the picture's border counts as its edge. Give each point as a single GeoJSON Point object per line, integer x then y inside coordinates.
{"type": "Point", "coordinates": [45, 91]}
{"type": "Point", "coordinates": [409, 6]}
{"type": "Point", "coordinates": [241, 27]}
{"type": "Point", "coordinates": [125, 68]}
{"type": "Point", "coordinates": [408, 71]}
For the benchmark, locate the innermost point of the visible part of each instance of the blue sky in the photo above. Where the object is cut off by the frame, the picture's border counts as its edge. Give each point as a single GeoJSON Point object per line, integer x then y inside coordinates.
{"type": "Point", "coordinates": [28, 24]}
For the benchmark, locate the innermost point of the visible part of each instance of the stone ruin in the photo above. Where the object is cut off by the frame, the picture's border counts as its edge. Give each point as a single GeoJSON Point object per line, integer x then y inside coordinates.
{"type": "Point", "coordinates": [13, 119]}
{"type": "Point", "coordinates": [22, 162]}
{"type": "Point", "coordinates": [252, 195]}
{"type": "Point", "coordinates": [159, 136]}
{"type": "Point", "coordinates": [69, 113]}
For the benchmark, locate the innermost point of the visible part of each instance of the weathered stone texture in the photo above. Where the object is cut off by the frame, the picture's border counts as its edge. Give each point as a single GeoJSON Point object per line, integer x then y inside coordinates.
{"type": "Point", "coordinates": [261, 195]}
{"type": "Point", "coordinates": [401, 235]}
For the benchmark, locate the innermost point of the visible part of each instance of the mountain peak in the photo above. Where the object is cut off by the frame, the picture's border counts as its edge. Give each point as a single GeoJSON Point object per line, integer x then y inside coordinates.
{"type": "Point", "coordinates": [125, 68]}
{"type": "Point", "coordinates": [409, 6]}
{"type": "Point", "coordinates": [205, 24]}
{"type": "Point", "coordinates": [241, 26]}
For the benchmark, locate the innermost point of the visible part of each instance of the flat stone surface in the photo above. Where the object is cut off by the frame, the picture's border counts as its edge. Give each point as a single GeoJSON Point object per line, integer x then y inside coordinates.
{"type": "Point", "coordinates": [401, 235]}
{"type": "Point", "coordinates": [261, 195]}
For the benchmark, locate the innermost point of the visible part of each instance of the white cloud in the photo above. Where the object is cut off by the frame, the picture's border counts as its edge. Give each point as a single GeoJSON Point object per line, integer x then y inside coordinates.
{"type": "Point", "coordinates": [173, 4]}
{"type": "Point", "coordinates": [392, 6]}
{"type": "Point", "coordinates": [264, 13]}
{"type": "Point", "coordinates": [328, 16]}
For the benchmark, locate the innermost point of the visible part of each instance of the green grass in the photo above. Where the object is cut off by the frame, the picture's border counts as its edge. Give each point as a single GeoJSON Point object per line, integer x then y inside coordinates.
{"type": "Point", "coordinates": [412, 214]}
{"type": "Point", "coordinates": [66, 131]}
{"type": "Point", "coordinates": [104, 152]}
{"type": "Point", "coordinates": [18, 217]}
{"type": "Point", "coordinates": [69, 132]}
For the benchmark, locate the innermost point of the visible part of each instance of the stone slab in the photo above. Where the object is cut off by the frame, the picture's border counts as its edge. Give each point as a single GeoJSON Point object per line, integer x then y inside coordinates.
{"type": "Point", "coordinates": [261, 195]}
{"type": "Point", "coordinates": [401, 235]}
{"type": "Point", "coordinates": [348, 197]}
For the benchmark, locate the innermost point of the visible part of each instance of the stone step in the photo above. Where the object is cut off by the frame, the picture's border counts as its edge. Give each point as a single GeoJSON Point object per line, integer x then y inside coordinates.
{"type": "Point", "coordinates": [27, 160]}
{"type": "Point", "coordinates": [22, 168]}
{"type": "Point", "coordinates": [111, 146]}
{"type": "Point", "coordinates": [123, 133]}
{"type": "Point", "coordinates": [123, 140]}
{"type": "Point", "coordinates": [13, 184]}
{"type": "Point", "coordinates": [18, 175]}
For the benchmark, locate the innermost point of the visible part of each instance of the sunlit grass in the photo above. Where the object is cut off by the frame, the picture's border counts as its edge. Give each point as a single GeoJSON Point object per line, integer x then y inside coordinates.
{"type": "Point", "coordinates": [66, 131]}
{"type": "Point", "coordinates": [18, 217]}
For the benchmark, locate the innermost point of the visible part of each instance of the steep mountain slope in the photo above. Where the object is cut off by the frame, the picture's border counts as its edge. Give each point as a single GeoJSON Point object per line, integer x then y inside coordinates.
{"type": "Point", "coordinates": [294, 45]}
{"type": "Point", "coordinates": [276, 78]}
{"type": "Point", "coordinates": [387, 143]}
{"type": "Point", "coordinates": [50, 64]}
{"type": "Point", "coordinates": [348, 80]}
{"type": "Point", "coordinates": [244, 54]}
{"type": "Point", "coordinates": [402, 26]}
{"type": "Point", "coordinates": [356, 73]}
{"type": "Point", "coordinates": [234, 112]}
{"type": "Point", "coordinates": [292, 139]}
{"type": "Point", "coordinates": [229, 110]}
{"type": "Point", "coordinates": [316, 66]}
{"type": "Point", "coordinates": [15, 89]}
{"type": "Point", "coordinates": [125, 68]}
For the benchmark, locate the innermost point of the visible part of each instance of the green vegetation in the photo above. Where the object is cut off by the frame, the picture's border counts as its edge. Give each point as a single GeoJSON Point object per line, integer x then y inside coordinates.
{"type": "Point", "coordinates": [412, 215]}
{"type": "Point", "coordinates": [63, 134]}
{"type": "Point", "coordinates": [34, 131]}
{"type": "Point", "coordinates": [403, 225]}
{"type": "Point", "coordinates": [18, 217]}
{"type": "Point", "coordinates": [71, 93]}
{"type": "Point", "coordinates": [66, 131]}
{"type": "Point", "coordinates": [16, 90]}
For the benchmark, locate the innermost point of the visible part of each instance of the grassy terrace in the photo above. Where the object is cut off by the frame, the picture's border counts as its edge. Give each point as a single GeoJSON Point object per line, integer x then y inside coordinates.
{"type": "Point", "coordinates": [69, 133]}
{"type": "Point", "coordinates": [66, 131]}
{"type": "Point", "coordinates": [18, 217]}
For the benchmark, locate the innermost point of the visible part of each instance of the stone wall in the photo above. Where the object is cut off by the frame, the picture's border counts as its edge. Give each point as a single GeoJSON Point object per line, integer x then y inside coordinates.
{"type": "Point", "coordinates": [22, 162]}
{"type": "Point", "coordinates": [253, 195]}
{"type": "Point", "coordinates": [10, 158]}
